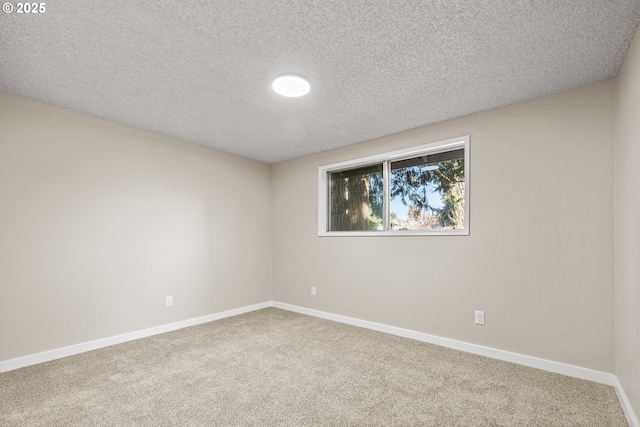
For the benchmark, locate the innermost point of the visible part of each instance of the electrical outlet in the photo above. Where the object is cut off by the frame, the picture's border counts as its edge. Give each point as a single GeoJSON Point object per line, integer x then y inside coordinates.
{"type": "Point", "coordinates": [479, 317]}
{"type": "Point", "coordinates": [168, 301]}
{"type": "Point", "coordinates": [313, 291]}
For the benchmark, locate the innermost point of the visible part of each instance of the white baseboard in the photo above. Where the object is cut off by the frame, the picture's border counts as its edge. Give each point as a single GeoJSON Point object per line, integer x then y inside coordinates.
{"type": "Point", "coordinates": [45, 356]}
{"type": "Point", "coordinates": [521, 359]}
{"type": "Point", "coordinates": [632, 419]}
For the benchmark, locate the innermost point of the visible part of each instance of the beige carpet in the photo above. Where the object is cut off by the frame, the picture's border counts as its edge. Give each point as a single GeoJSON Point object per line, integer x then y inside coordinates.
{"type": "Point", "coordinates": [276, 368]}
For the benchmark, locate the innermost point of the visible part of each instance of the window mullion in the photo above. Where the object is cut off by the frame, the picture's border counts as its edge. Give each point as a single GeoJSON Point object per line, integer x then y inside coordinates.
{"type": "Point", "coordinates": [387, 198]}
{"type": "Point", "coordinates": [328, 190]}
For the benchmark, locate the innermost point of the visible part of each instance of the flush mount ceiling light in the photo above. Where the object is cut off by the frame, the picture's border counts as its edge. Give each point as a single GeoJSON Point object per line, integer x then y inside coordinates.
{"type": "Point", "coordinates": [291, 85]}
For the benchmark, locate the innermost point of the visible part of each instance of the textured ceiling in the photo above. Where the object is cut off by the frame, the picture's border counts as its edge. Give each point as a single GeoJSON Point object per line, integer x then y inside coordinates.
{"type": "Point", "coordinates": [201, 71]}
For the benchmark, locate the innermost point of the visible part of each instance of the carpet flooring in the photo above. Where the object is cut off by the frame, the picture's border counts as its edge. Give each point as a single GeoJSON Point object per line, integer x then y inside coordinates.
{"type": "Point", "coordinates": [277, 368]}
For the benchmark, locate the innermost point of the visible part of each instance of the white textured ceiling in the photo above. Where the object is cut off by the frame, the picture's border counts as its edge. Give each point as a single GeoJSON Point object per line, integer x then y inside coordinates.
{"type": "Point", "coordinates": [201, 70]}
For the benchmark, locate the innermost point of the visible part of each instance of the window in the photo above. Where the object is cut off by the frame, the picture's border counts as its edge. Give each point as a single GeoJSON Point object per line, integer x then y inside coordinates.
{"type": "Point", "coordinates": [417, 191]}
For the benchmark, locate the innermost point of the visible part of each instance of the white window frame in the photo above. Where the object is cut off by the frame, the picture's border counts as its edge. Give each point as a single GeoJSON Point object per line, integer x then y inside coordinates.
{"type": "Point", "coordinates": [407, 153]}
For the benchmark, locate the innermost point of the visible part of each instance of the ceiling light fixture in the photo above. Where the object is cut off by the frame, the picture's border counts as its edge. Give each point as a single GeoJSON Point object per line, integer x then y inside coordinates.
{"type": "Point", "coordinates": [291, 85]}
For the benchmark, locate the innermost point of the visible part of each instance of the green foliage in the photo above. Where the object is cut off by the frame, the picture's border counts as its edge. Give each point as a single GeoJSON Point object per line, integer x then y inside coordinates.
{"type": "Point", "coordinates": [375, 222]}
{"type": "Point", "coordinates": [448, 175]}
{"type": "Point", "coordinates": [376, 197]}
{"type": "Point", "coordinates": [410, 186]}
{"type": "Point", "coordinates": [452, 213]}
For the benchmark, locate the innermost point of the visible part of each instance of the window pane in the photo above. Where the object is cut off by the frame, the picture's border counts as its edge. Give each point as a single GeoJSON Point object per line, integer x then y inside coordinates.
{"type": "Point", "coordinates": [356, 199]}
{"type": "Point", "coordinates": [427, 192]}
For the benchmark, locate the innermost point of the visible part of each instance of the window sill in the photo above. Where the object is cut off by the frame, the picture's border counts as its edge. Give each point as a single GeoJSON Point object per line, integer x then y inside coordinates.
{"type": "Point", "coordinates": [394, 233]}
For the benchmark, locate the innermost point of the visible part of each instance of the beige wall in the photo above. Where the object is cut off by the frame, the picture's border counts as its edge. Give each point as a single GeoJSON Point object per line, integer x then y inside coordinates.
{"type": "Point", "coordinates": [627, 231]}
{"type": "Point", "coordinates": [99, 222]}
{"type": "Point", "coordinates": [539, 260]}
